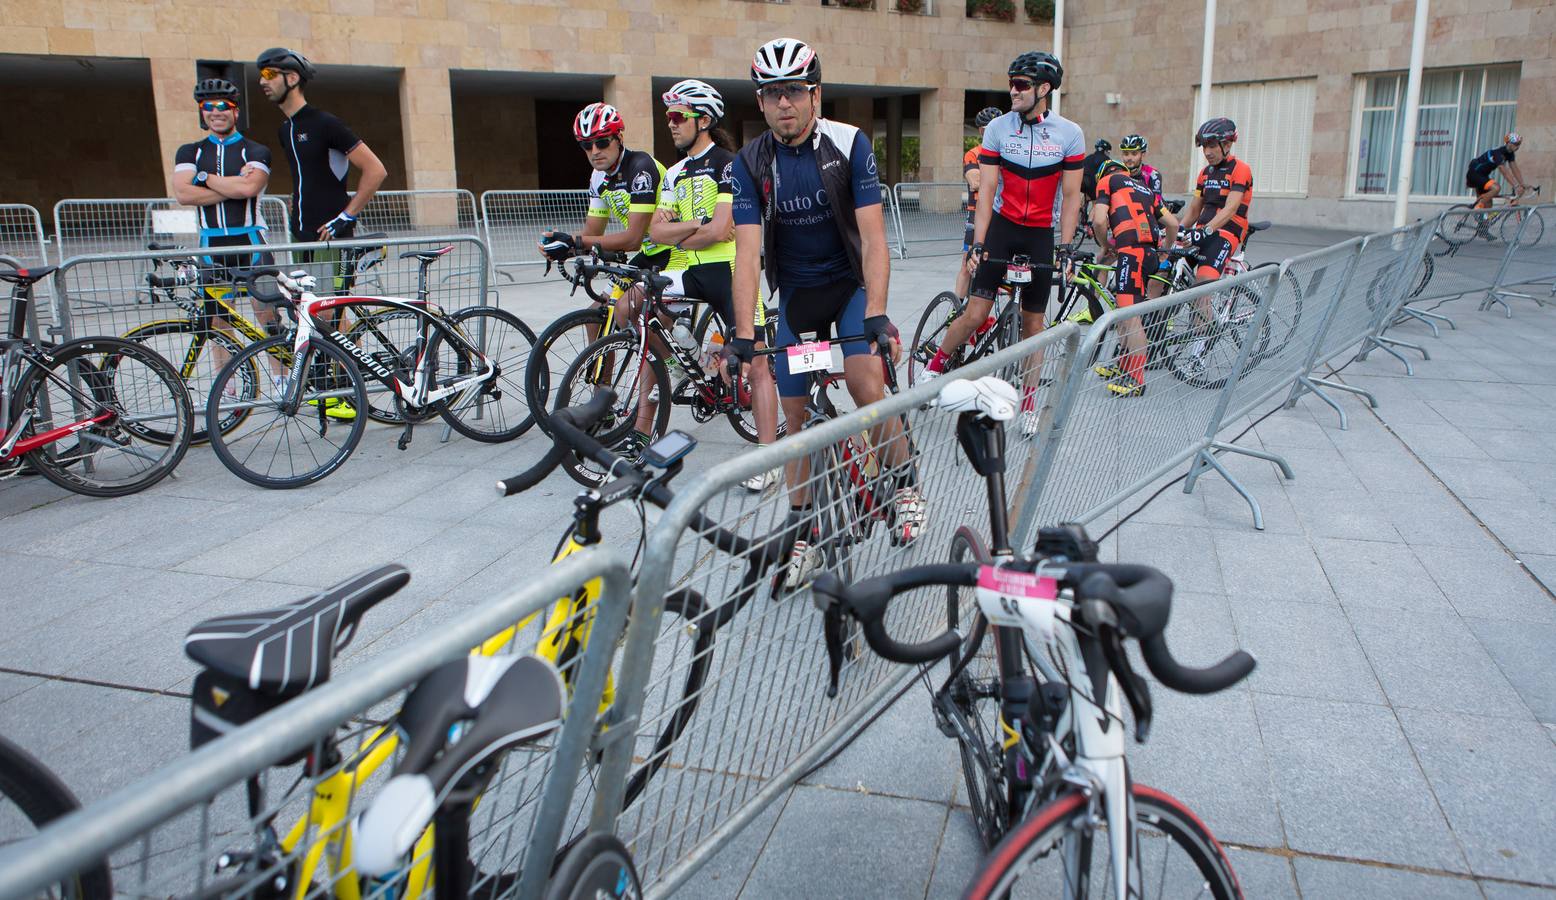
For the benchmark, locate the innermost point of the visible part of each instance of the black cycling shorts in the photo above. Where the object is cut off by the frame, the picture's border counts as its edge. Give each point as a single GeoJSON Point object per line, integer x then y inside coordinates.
{"type": "Point", "coordinates": [818, 309]}
{"type": "Point", "coordinates": [714, 284]}
{"type": "Point", "coordinates": [641, 260]}
{"type": "Point", "coordinates": [1004, 240]}
{"type": "Point", "coordinates": [218, 267]}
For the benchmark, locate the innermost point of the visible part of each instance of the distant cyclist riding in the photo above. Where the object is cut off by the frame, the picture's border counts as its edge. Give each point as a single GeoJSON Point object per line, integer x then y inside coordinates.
{"type": "Point", "coordinates": [1480, 175]}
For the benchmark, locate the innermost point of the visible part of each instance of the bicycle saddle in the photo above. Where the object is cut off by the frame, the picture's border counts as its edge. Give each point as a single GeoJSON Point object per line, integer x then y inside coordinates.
{"type": "Point", "coordinates": [1256, 227]}
{"type": "Point", "coordinates": [993, 398]}
{"type": "Point", "coordinates": [427, 256]}
{"type": "Point", "coordinates": [288, 650]}
{"type": "Point", "coordinates": [26, 276]}
{"type": "Point", "coordinates": [504, 701]}
{"type": "Point", "coordinates": [157, 246]}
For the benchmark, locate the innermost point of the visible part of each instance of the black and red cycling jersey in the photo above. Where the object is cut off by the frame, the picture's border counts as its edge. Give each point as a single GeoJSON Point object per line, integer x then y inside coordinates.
{"type": "Point", "coordinates": [1032, 157]}
{"type": "Point", "coordinates": [1132, 210]}
{"type": "Point", "coordinates": [1215, 184]}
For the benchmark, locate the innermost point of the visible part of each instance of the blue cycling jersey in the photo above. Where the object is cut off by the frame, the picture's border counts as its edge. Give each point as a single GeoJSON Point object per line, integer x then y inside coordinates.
{"type": "Point", "coordinates": [811, 249]}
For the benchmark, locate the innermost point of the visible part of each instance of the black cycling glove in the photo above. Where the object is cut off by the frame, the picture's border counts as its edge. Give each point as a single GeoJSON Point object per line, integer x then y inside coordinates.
{"type": "Point", "coordinates": [738, 350]}
{"type": "Point", "coordinates": [557, 245]}
{"type": "Point", "coordinates": [877, 329]}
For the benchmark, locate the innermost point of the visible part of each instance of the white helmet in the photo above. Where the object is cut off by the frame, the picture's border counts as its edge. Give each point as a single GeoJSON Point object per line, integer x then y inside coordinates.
{"type": "Point", "coordinates": [785, 59]}
{"type": "Point", "coordinates": [699, 96]}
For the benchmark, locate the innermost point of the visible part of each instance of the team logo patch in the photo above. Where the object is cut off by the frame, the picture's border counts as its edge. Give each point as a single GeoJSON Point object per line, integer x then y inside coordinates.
{"type": "Point", "coordinates": [869, 164]}
{"type": "Point", "coordinates": [729, 172]}
{"type": "Point", "coordinates": [642, 182]}
{"type": "Point", "coordinates": [302, 138]}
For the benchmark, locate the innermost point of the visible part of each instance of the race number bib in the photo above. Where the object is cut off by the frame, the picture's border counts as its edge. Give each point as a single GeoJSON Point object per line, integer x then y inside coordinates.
{"type": "Point", "coordinates": [1018, 600]}
{"type": "Point", "coordinates": [811, 357]}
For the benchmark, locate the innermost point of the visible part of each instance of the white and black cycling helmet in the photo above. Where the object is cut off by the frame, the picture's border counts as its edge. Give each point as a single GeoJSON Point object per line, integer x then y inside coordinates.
{"type": "Point", "coordinates": [597, 120]}
{"type": "Point", "coordinates": [287, 60]}
{"type": "Point", "coordinates": [698, 96]}
{"type": "Point", "coordinates": [1038, 66]}
{"type": "Point", "coordinates": [785, 59]}
{"type": "Point", "coordinates": [1512, 139]}
{"type": "Point", "coordinates": [215, 89]}
{"type": "Point", "coordinates": [1219, 130]}
{"type": "Point", "coordinates": [1132, 142]}
{"type": "Point", "coordinates": [987, 115]}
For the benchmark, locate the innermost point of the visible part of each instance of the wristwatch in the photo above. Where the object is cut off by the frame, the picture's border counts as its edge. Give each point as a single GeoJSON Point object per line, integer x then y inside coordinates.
{"type": "Point", "coordinates": [201, 177]}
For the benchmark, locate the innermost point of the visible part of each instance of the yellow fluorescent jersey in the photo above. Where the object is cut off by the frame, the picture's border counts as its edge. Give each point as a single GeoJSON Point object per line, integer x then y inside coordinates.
{"type": "Point", "coordinates": [692, 189]}
{"type": "Point", "coordinates": [631, 188]}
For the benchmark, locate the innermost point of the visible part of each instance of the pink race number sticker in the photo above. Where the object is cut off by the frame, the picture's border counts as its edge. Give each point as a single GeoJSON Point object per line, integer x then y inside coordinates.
{"type": "Point", "coordinates": [1017, 584]}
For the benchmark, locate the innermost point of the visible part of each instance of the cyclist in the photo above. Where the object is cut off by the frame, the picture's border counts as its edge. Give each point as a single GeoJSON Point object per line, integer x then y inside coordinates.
{"type": "Point", "coordinates": [1124, 219]}
{"type": "Point", "coordinates": [974, 177]}
{"type": "Point", "coordinates": [1479, 177]}
{"type": "Point", "coordinates": [223, 175]}
{"type": "Point", "coordinates": [624, 186]}
{"type": "Point", "coordinates": [807, 196]}
{"type": "Point", "coordinates": [1222, 195]}
{"type": "Point", "coordinates": [1132, 150]}
{"type": "Point", "coordinates": [1090, 165]}
{"type": "Point", "coordinates": [1031, 156]}
{"type": "Point", "coordinates": [694, 219]}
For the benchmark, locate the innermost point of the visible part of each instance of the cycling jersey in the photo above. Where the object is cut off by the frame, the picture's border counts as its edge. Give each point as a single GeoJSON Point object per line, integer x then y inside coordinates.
{"type": "Point", "coordinates": [806, 244]}
{"type": "Point", "coordinates": [1089, 167]}
{"type": "Point", "coordinates": [692, 190]}
{"type": "Point", "coordinates": [1484, 166]}
{"type": "Point", "coordinates": [316, 145]}
{"type": "Point", "coordinates": [1132, 210]}
{"type": "Point", "coordinates": [225, 156]}
{"type": "Point", "coordinates": [1220, 181]}
{"type": "Point", "coordinates": [1151, 178]}
{"type": "Point", "coordinates": [631, 187]}
{"type": "Point", "coordinates": [969, 163]}
{"type": "Point", "coordinates": [1032, 159]}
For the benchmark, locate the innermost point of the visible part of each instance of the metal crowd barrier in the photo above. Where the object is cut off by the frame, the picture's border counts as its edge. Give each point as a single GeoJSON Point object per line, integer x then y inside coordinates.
{"type": "Point", "coordinates": [421, 212]}
{"type": "Point", "coordinates": [164, 834]}
{"type": "Point", "coordinates": [121, 225]}
{"type": "Point", "coordinates": [21, 234]}
{"type": "Point", "coordinates": [1531, 260]}
{"type": "Point", "coordinates": [931, 217]}
{"type": "Point", "coordinates": [515, 219]}
{"type": "Point", "coordinates": [110, 293]}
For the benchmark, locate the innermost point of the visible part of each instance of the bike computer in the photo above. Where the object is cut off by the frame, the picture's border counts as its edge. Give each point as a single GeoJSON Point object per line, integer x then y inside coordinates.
{"type": "Point", "coordinates": [669, 450]}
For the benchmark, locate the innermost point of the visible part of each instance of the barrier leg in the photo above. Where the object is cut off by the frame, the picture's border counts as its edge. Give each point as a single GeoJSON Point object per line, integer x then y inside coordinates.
{"type": "Point", "coordinates": [1383, 343]}
{"type": "Point", "coordinates": [1205, 459]}
{"type": "Point", "coordinates": [1313, 385]}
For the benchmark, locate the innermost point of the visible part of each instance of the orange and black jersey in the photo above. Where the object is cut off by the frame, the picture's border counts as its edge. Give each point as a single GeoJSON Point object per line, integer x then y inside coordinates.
{"type": "Point", "coordinates": [969, 164]}
{"type": "Point", "coordinates": [1133, 210]}
{"type": "Point", "coordinates": [1218, 182]}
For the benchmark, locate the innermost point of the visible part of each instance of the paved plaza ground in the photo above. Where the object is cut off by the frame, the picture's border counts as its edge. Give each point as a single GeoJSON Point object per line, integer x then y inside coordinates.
{"type": "Point", "coordinates": [1397, 740]}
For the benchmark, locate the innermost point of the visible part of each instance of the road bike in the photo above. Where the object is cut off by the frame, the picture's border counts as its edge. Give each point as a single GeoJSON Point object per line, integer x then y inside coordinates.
{"type": "Point", "coordinates": [1499, 222]}
{"type": "Point", "coordinates": [462, 366]}
{"type": "Point", "coordinates": [32, 796]}
{"type": "Point", "coordinates": [630, 365]}
{"type": "Point", "coordinates": [99, 416]}
{"type": "Point", "coordinates": [1038, 679]}
{"type": "Point", "coordinates": [1000, 330]}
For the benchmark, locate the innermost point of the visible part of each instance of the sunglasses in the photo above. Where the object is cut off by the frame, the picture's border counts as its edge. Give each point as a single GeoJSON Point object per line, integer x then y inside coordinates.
{"type": "Point", "coordinates": [218, 106]}
{"type": "Point", "coordinates": [597, 144]}
{"type": "Point", "coordinates": [1020, 84]}
{"type": "Point", "coordinates": [677, 118]}
{"type": "Point", "coordinates": [790, 91]}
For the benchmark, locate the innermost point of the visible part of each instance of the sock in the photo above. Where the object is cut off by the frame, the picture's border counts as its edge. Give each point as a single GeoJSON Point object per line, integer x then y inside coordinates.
{"type": "Point", "coordinates": [1134, 364]}
{"type": "Point", "coordinates": [938, 363]}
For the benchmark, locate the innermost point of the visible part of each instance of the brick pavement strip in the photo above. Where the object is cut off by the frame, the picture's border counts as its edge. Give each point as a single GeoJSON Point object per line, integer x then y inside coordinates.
{"type": "Point", "coordinates": [1419, 538]}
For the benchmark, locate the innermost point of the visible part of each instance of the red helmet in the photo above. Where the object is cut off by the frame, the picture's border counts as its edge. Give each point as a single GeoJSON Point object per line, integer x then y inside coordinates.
{"type": "Point", "coordinates": [597, 120]}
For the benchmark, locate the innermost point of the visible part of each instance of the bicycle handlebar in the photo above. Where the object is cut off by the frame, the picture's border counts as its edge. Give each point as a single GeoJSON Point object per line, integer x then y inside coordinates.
{"type": "Point", "coordinates": [575, 421]}
{"type": "Point", "coordinates": [867, 601]}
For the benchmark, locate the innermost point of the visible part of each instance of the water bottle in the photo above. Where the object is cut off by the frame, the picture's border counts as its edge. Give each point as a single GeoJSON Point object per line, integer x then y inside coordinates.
{"type": "Point", "coordinates": [682, 333]}
{"type": "Point", "coordinates": [713, 350]}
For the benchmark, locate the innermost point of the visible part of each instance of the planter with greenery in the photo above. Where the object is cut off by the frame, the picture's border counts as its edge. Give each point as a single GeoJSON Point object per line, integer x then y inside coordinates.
{"type": "Point", "coordinates": [1001, 10]}
{"type": "Point", "coordinates": [1040, 11]}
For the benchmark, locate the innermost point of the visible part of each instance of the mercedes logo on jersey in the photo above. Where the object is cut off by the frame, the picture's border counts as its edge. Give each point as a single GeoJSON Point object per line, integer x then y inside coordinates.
{"type": "Point", "coordinates": [869, 164]}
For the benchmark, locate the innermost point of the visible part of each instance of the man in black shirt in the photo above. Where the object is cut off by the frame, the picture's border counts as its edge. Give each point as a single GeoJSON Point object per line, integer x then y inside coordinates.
{"type": "Point", "coordinates": [1089, 167]}
{"type": "Point", "coordinates": [320, 150]}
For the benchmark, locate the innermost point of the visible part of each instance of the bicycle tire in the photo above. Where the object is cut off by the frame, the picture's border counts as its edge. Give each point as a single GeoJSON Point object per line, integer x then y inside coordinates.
{"type": "Point", "coordinates": [742, 418]}
{"type": "Point", "coordinates": [1280, 326]}
{"type": "Point", "coordinates": [270, 432]}
{"type": "Point", "coordinates": [106, 461]}
{"type": "Point", "coordinates": [974, 694]}
{"type": "Point", "coordinates": [1532, 225]}
{"type": "Point", "coordinates": [42, 797]}
{"type": "Point", "coordinates": [599, 867]}
{"type": "Point", "coordinates": [496, 411]}
{"type": "Point", "coordinates": [1207, 355]}
{"type": "Point", "coordinates": [1463, 228]}
{"type": "Point", "coordinates": [928, 335]}
{"type": "Point", "coordinates": [1038, 839]}
{"type": "Point", "coordinates": [558, 345]}
{"type": "Point", "coordinates": [383, 335]}
{"type": "Point", "coordinates": [193, 354]}
{"type": "Point", "coordinates": [614, 359]}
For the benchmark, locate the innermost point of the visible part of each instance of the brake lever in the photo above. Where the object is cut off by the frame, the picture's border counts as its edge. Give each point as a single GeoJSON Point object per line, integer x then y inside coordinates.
{"type": "Point", "coordinates": [833, 630]}
{"type": "Point", "coordinates": [1136, 691]}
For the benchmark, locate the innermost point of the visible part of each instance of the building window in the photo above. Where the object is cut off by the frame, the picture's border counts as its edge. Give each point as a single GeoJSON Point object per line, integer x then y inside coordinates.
{"type": "Point", "coordinates": [1274, 132]}
{"type": "Point", "coordinates": [1463, 111]}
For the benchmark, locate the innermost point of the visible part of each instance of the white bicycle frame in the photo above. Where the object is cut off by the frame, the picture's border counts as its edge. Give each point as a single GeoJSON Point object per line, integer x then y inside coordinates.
{"type": "Point", "coordinates": [417, 392]}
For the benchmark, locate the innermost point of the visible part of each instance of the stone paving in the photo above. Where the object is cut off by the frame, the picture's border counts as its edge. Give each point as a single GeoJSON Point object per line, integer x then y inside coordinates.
{"type": "Point", "coordinates": [1397, 740]}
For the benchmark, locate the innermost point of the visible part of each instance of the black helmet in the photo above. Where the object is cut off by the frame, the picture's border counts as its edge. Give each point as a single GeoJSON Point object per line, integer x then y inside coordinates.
{"type": "Point", "coordinates": [1040, 66]}
{"type": "Point", "coordinates": [289, 60]}
{"type": "Point", "coordinates": [1219, 130]}
{"type": "Point", "coordinates": [1132, 142]}
{"type": "Point", "coordinates": [1102, 145]}
{"type": "Point", "coordinates": [987, 115]}
{"type": "Point", "coordinates": [216, 89]}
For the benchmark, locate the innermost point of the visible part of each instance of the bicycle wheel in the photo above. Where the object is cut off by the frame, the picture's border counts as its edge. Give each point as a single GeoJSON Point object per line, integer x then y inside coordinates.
{"type": "Point", "coordinates": [614, 362]}
{"type": "Point", "coordinates": [1532, 223]}
{"type": "Point", "coordinates": [496, 410]}
{"type": "Point", "coordinates": [1058, 851]}
{"type": "Point", "coordinates": [32, 797]}
{"type": "Point", "coordinates": [1206, 355]}
{"type": "Point", "coordinates": [558, 345]}
{"type": "Point", "coordinates": [198, 353]}
{"type": "Point", "coordinates": [1280, 325]}
{"type": "Point", "coordinates": [392, 337]}
{"type": "Point", "coordinates": [929, 334]}
{"type": "Point", "coordinates": [144, 420]}
{"type": "Point", "coordinates": [1458, 226]}
{"type": "Point", "coordinates": [281, 448]}
{"type": "Point", "coordinates": [598, 867]}
{"type": "Point", "coordinates": [742, 417]}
